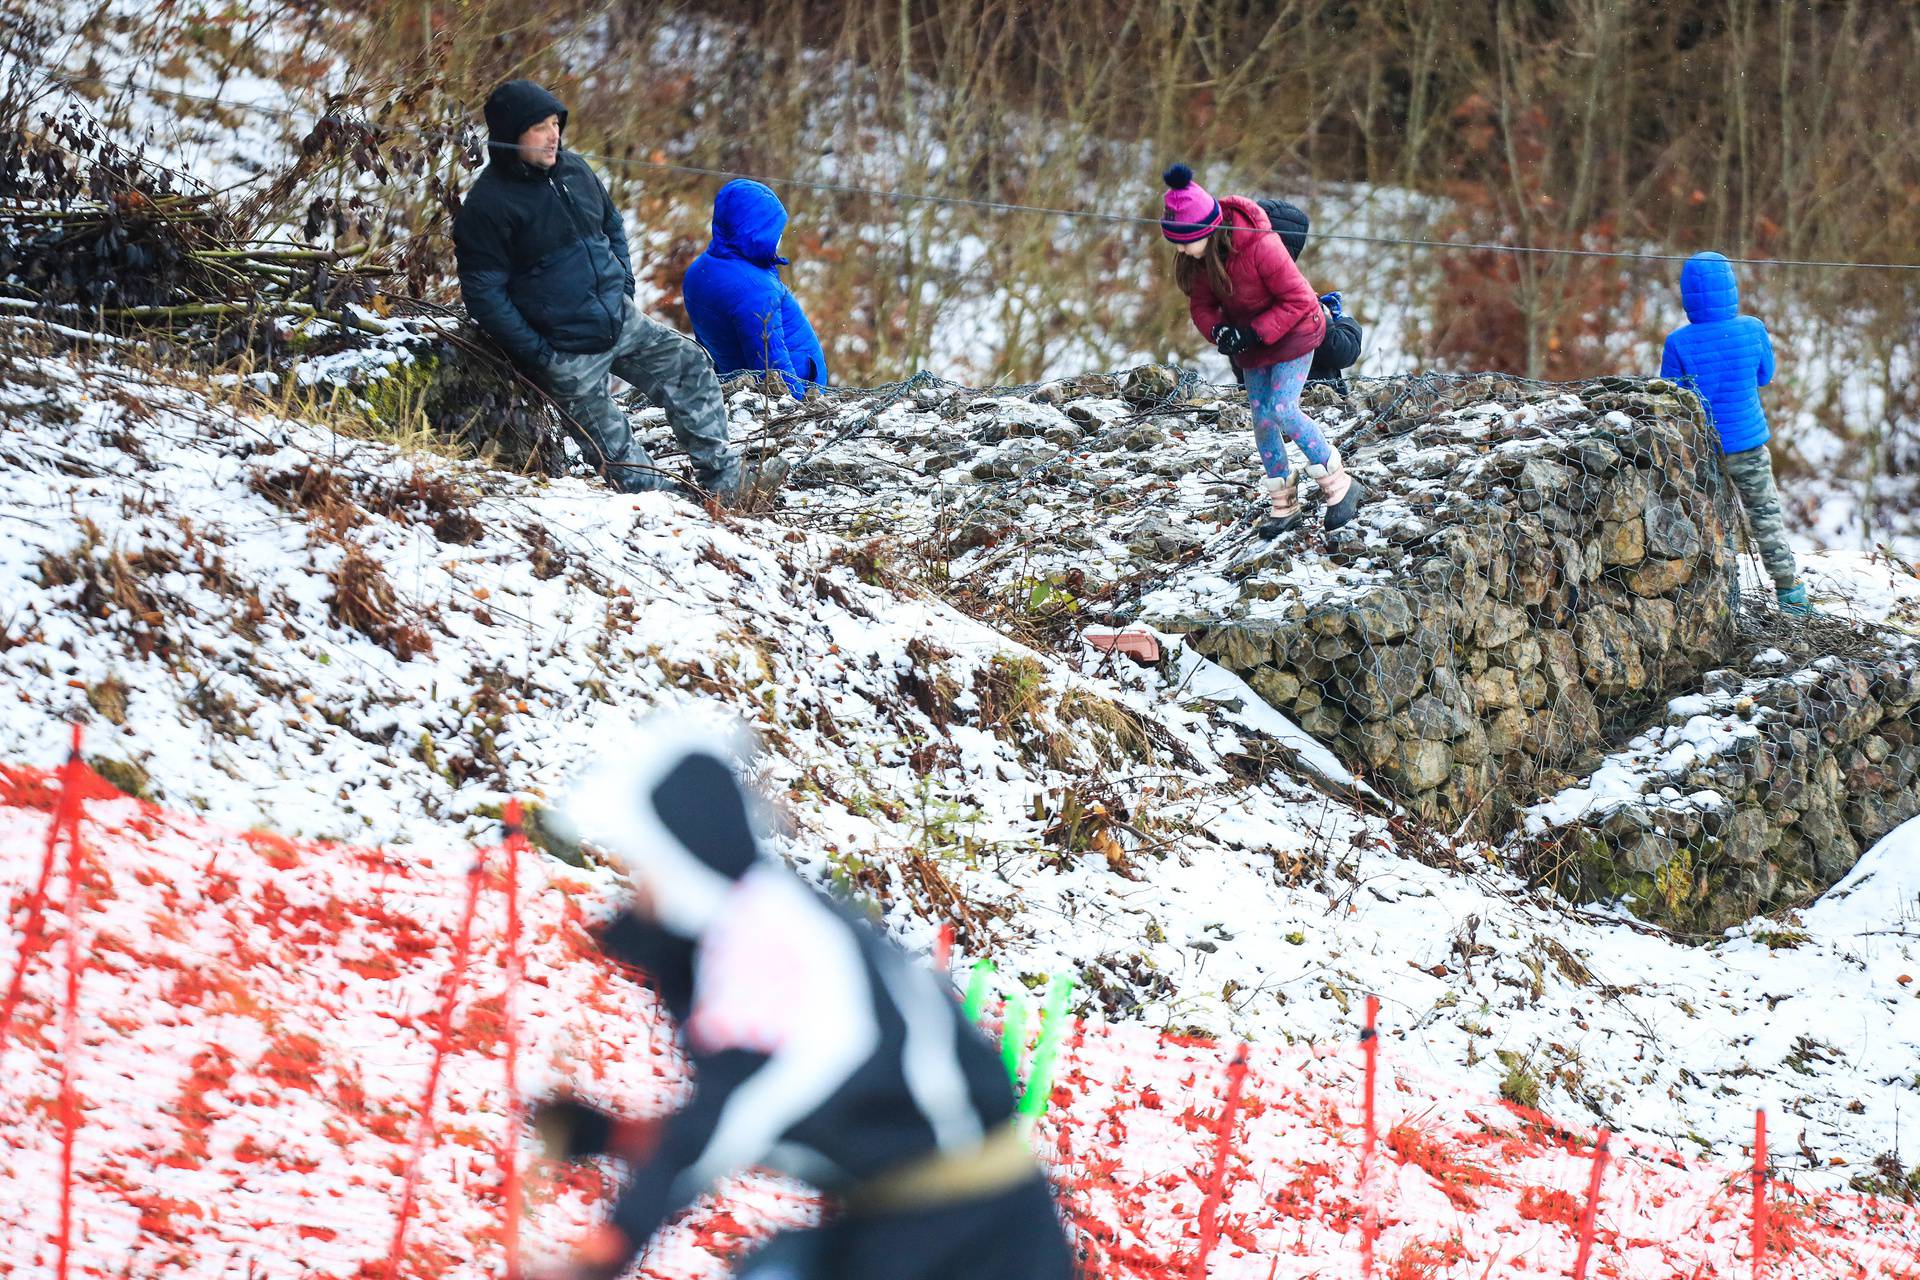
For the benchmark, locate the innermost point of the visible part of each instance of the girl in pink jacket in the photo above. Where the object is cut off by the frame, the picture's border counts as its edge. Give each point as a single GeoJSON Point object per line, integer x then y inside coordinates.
{"type": "Point", "coordinates": [1250, 300]}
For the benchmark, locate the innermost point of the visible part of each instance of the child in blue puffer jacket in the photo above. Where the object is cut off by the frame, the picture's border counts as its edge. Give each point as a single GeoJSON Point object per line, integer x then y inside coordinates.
{"type": "Point", "coordinates": [742, 312]}
{"type": "Point", "coordinates": [1726, 358]}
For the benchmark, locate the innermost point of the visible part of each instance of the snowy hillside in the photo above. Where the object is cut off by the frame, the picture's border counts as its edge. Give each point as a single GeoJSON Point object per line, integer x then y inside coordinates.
{"type": "Point", "coordinates": [273, 625]}
{"type": "Point", "coordinates": [269, 623]}
{"type": "Point", "coordinates": [234, 113]}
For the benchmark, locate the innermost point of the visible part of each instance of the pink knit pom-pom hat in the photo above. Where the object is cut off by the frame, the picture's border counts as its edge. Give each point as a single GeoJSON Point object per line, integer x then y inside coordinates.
{"type": "Point", "coordinates": [1192, 214]}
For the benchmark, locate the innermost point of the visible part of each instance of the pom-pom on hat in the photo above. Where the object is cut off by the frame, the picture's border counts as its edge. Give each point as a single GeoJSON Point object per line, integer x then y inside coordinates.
{"type": "Point", "coordinates": [1191, 213]}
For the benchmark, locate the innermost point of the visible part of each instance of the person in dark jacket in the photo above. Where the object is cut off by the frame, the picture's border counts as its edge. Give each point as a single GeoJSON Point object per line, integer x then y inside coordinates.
{"type": "Point", "coordinates": [817, 1049]}
{"type": "Point", "coordinates": [1726, 358]}
{"type": "Point", "coordinates": [544, 269]}
{"type": "Point", "coordinates": [742, 312]}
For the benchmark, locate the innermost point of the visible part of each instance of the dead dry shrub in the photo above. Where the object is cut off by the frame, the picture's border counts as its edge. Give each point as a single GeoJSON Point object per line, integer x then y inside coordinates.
{"type": "Point", "coordinates": [321, 493]}
{"type": "Point", "coordinates": [936, 897]}
{"type": "Point", "coordinates": [1124, 731]}
{"type": "Point", "coordinates": [430, 498]}
{"type": "Point", "coordinates": [547, 558]}
{"type": "Point", "coordinates": [931, 689]}
{"type": "Point", "coordinates": [116, 587]}
{"type": "Point", "coordinates": [365, 600]}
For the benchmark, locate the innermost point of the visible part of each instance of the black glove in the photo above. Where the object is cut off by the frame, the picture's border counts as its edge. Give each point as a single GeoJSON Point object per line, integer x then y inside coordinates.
{"type": "Point", "coordinates": [1232, 339]}
{"type": "Point", "coordinates": [570, 1129]}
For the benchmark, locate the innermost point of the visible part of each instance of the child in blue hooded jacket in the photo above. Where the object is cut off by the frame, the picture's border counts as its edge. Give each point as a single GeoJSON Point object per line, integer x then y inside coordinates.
{"type": "Point", "coordinates": [742, 312]}
{"type": "Point", "coordinates": [1726, 358]}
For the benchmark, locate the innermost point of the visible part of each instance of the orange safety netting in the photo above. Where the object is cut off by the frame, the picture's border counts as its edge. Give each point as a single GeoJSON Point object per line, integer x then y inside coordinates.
{"type": "Point", "coordinates": [285, 1057]}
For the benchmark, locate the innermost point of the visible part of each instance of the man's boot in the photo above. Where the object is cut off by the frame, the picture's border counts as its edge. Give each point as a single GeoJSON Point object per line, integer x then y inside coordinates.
{"type": "Point", "coordinates": [1343, 493]}
{"type": "Point", "coordinates": [724, 482]}
{"type": "Point", "coordinates": [1283, 507]}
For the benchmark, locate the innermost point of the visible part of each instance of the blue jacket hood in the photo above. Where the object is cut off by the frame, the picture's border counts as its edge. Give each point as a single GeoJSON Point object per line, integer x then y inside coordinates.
{"type": "Point", "coordinates": [748, 221]}
{"type": "Point", "coordinates": [1708, 289]}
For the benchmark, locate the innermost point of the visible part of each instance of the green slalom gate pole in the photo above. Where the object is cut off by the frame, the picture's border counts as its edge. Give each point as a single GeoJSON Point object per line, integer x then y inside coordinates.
{"type": "Point", "coordinates": [977, 980]}
{"type": "Point", "coordinates": [1013, 1035]}
{"type": "Point", "coordinates": [1053, 1030]}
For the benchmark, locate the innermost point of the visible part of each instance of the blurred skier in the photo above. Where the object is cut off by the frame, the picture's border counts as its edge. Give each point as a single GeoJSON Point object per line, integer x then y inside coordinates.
{"type": "Point", "coordinates": [818, 1050]}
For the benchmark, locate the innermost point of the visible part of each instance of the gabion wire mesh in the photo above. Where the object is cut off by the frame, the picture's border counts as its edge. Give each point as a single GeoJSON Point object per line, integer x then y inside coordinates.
{"type": "Point", "coordinates": [1544, 598]}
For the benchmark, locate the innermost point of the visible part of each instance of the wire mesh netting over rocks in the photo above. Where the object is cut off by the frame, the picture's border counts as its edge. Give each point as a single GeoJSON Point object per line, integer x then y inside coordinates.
{"type": "Point", "coordinates": [1756, 792]}
{"type": "Point", "coordinates": [1534, 563]}
{"type": "Point", "coordinates": [1540, 571]}
{"type": "Point", "coordinates": [1534, 569]}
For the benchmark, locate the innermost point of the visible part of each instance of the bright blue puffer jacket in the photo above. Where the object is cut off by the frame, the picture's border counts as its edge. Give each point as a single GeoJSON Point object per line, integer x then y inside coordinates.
{"type": "Point", "coordinates": [1725, 356]}
{"type": "Point", "coordinates": [742, 313]}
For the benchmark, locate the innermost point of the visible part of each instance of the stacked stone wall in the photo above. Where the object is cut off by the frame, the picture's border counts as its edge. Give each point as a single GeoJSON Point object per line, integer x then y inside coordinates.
{"type": "Point", "coordinates": [1753, 796]}
{"type": "Point", "coordinates": [1535, 586]}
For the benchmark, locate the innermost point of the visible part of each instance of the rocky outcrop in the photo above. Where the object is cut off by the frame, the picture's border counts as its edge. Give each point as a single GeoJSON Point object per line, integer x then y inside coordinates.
{"type": "Point", "coordinates": [1536, 565]}
{"type": "Point", "coordinates": [1753, 795]}
{"type": "Point", "coordinates": [1497, 643]}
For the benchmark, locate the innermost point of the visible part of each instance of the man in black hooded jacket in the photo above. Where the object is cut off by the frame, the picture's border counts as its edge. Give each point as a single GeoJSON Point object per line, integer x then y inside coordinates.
{"type": "Point", "coordinates": [544, 269]}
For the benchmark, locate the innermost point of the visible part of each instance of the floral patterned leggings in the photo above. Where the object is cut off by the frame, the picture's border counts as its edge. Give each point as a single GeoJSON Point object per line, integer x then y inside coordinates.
{"type": "Point", "coordinates": [1274, 394]}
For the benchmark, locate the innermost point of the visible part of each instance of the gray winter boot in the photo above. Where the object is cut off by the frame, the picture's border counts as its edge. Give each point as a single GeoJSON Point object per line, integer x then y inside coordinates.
{"type": "Point", "coordinates": [1283, 507]}
{"type": "Point", "coordinates": [1343, 493]}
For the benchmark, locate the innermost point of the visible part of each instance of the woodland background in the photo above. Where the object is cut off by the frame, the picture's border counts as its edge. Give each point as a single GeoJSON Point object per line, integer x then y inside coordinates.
{"type": "Point", "coordinates": [1760, 129]}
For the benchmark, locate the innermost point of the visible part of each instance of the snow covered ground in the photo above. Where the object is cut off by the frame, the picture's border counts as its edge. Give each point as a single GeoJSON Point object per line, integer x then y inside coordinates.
{"type": "Point", "coordinates": [182, 575]}
{"type": "Point", "coordinates": [174, 574]}
{"type": "Point", "coordinates": [258, 1022]}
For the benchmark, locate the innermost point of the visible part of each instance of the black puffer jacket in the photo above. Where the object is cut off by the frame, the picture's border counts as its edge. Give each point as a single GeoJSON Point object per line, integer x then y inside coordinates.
{"type": "Point", "coordinates": [817, 1048]}
{"type": "Point", "coordinates": [542, 252]}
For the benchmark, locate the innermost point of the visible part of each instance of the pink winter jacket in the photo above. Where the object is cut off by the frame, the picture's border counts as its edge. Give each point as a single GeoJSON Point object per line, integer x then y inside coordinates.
{"type": "Point", "coordinates": [1270, 296]}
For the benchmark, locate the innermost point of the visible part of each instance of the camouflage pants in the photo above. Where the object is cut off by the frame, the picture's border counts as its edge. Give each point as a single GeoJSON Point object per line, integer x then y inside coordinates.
{"type": "Point", "coordinates": [673, 372]}
{"type": "Point", "coordinates": [1751, 471]}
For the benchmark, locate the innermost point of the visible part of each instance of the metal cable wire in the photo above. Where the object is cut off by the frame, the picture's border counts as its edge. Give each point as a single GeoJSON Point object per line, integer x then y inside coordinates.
{"type": "Point", "coordinates": [469, 137]}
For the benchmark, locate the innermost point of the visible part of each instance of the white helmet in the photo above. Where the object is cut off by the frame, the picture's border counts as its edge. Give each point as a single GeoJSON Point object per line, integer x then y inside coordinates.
{"type": "Point", "coordinates": [665, 804]}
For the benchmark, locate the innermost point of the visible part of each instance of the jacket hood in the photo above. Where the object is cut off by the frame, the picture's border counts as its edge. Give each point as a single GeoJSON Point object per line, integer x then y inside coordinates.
{"type": "Point", "coordinates": [748, 221]}
{"type": "Point", "coordinates": [664, 803]}
{"type": "Point", "coordinates": [516, 106]}
{"type": "Point", "coordinates": [1708, 289]}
